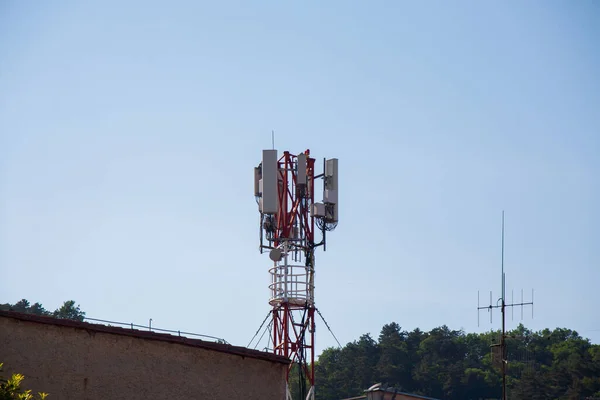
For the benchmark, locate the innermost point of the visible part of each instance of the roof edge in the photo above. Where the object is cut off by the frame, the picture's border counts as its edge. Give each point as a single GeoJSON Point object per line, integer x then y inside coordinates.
{"type": "Point", "coordinates": [163, 337]}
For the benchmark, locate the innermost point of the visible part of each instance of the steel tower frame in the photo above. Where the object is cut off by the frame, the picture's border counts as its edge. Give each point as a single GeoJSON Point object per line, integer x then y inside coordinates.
{"type": "Point", "coordinates": [287, 231]}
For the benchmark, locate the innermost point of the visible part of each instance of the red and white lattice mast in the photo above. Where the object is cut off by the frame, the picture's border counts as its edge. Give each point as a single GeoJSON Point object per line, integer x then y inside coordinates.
{"type": "Point", "coordinates": [289, 221]}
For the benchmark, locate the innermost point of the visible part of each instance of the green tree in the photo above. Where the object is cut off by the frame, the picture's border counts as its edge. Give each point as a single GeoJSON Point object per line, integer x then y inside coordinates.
{"type": "Point", "coordinates": [393, 366]}
{"type": "Point", "coordinates": [549, 364]}
{"type": "Point", "coordinates": [364, 352]}
{"type": "Point", "coordinates": [69, 311]}
{"type": "Point", "coordinates": [328, 375]}
{"type": "Point", "coordinates": [24, 306]}
{"type": "Point", "coordinates": [38, 309]}
{"type": "Point", "coordinates": [10, 389]}
{"type": "Point", "coordinates": [341, 373]}
{"type": "Point", "coordinates": [21, 306]}
{"type": "Point", "coordinates": [441, 367]}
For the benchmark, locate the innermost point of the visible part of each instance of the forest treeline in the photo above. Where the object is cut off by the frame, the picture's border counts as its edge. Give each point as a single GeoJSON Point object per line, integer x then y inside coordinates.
{"type": "Point", "coordinates": [67, 311]}
{"type": "Point", "coordinates": [442, 363]}
{"type": "Point", "coordinates": [452, 365]}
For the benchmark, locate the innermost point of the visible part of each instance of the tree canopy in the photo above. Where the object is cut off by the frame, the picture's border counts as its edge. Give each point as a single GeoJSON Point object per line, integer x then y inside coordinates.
{"type": "Point", "coordinates": [449, 364]}
{"type": "Point", "coordinates": [67, 311]}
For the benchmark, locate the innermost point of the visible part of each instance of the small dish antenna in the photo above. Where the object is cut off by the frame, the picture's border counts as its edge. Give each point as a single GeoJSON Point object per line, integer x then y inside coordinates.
{"type": "Point", "coordinates": [276, 255]}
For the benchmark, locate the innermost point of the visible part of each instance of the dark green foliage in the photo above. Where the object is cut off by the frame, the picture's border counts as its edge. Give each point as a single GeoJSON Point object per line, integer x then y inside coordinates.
{"type": "Point", "coordinates": [448, 364]}
{"type": "Point", "coordinates": [67, 311]}
{"type": "Point", "coordinates": [21, 306]}
{"type": "Point", "coordinates": [393, 356]}
{"type": "Point", "coordinates": [37, 309]}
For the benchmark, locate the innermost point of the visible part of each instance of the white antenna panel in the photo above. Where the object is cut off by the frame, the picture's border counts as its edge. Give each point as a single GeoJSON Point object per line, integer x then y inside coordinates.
{"type": "Point", "coordinates": [330, 192]}
{"type": "Point", "coordinates": [268, 183]}
{"type": "Point", "coordinates": [256, 181]}
{"type": "Point", "coordinates": [301, 173]}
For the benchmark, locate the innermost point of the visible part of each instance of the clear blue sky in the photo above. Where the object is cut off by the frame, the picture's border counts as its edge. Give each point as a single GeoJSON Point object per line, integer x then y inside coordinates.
{"type": "Point", "coordinates": [129, 130]}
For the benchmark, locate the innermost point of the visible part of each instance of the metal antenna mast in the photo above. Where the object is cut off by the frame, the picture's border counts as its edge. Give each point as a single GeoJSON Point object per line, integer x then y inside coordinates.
{"type": "Point", "coordinates": [501, 348]}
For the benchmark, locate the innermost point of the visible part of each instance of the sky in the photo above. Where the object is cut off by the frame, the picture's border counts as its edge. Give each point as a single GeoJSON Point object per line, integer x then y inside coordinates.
{"type": "Point", "coordinates": [129, 132]}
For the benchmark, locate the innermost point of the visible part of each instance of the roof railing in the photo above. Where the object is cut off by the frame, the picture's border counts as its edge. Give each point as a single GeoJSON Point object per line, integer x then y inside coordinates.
{"type": "Point", "coordinates": [150, 328]}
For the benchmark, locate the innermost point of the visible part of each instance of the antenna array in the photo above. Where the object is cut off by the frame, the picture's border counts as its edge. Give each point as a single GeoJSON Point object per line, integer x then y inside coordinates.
{"type": "Point", "coordinates": [512, 305]}
{"type": "Point", "coordinates": [499, 351]}
{"type": "Point", "coordinates": [289, 226]}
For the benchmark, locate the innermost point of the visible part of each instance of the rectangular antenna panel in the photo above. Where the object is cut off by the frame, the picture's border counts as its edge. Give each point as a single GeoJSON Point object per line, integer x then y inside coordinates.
{"type": "Point", "coordinates": [331, 181]}
{"type": "Point", "coordinates": [330, 193]}
{"type": "Point", "coordinates": [256, 181]}
{"type": "Point", "coordinates": [330, 196]}
{"type": "Point", "coordinates": [301, 173]}
{"type": "Point", "coordinates": [331, 212]}
{"type": "Point", "coordinates": [268, 183]}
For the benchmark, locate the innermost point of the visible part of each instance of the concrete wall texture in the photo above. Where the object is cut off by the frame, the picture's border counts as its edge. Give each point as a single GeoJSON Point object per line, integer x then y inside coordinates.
{"type": "Point", "coordinates": [76, 360]}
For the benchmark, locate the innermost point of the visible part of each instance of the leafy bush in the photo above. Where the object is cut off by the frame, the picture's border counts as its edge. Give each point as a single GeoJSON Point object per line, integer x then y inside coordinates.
{"type": "Point", "coordinates": [10, 389]}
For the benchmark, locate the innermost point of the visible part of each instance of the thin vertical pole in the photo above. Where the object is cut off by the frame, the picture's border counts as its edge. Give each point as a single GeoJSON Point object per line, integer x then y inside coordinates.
{"type": "Point", "coordinates": [502, 255]}
{"type": "Point", "coordinates": [312, 352]}
{"type": "Point", "coordinates": [503, 344]}
{"type": "Point", "coordinates": [490, 306]}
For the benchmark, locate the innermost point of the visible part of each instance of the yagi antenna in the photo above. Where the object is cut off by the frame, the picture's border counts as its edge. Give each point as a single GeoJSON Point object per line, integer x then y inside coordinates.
{"type": "Point", "coordinates": [501, 356]}
{"type": "Point", "coordinates": [491, 306]}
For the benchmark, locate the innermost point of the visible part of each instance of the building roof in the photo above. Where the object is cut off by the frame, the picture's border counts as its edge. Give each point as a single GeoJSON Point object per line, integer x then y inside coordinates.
{"type": "Point", "coordinates": [381, 388]}
{"type": "Point", "coordinates": [411, 395]}
{"type": "Point", "coordinates": [149, 335]}
{"type": "Point", "coordinates": [416, 396]}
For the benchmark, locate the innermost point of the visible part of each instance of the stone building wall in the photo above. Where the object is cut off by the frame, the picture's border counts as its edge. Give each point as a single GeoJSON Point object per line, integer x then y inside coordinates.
{"type": "Point", "coordinates": [81, 361]}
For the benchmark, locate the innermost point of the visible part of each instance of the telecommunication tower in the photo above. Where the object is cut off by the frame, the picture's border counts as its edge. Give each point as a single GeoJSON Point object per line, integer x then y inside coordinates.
{"type": "Point", "coordinates": [284, 188]}
{"type": "Point", "coordinates": [499, 352]}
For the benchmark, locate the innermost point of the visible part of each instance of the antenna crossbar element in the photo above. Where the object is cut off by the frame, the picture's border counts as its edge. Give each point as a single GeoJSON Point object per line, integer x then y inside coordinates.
{"type": "Point", "coordinates": [491, 306]}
